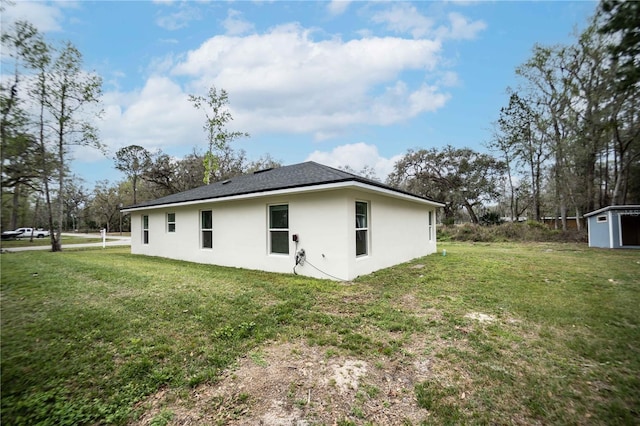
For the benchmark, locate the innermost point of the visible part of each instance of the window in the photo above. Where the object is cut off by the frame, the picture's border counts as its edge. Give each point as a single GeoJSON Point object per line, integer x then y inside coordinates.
{"type": "Point", "coordinates": [171, 222]}
{"type": "Point", "coordinates": [145, 229]}
{"type": "Point", "coordinates": [206, 229]}
{"type": "Point", "coordinates": [279, 229]}
{"type": "Point", "coordinates": [430, 225]}
{"type": "Point", "coordinates": [600, 219]}
{"type": "Point", "coordinates": [362, 228]}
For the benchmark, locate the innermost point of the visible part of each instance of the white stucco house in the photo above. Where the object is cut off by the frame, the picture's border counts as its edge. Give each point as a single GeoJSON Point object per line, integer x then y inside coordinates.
{"type": "Point", "coordinates": [306, 218]}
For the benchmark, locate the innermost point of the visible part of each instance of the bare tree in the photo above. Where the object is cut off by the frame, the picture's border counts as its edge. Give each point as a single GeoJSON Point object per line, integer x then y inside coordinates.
{"type": "Point", "coordinates": [218, 137]}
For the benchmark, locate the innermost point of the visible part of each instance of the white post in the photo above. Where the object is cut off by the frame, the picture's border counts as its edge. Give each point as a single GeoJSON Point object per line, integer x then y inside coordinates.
{"type": "Point", "coordinates": [103, 232]}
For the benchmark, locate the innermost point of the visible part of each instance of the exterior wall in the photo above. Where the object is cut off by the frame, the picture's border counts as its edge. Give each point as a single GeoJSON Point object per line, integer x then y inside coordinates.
{"type": "Point", "coordinates": [241, 237]}
{"type": "Point", "coordinates": [398, 232]}
{"type": "Point", "coordinates": [324, 222]}
{"type": "Point", "coordinates": [599, 232]}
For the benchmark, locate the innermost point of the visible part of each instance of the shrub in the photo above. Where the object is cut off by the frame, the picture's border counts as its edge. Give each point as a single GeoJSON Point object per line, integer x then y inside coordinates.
{"type": "Point", "coordinates": [448, 221]}
{"type": "Point", "coordinates": [510, 231]}
{"type": "Point", "coordinates": [490, 218]}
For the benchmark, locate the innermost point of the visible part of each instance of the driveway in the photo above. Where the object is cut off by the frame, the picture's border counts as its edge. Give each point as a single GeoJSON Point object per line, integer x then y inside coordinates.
{"type": "Point", "coordinates": [112, 240]}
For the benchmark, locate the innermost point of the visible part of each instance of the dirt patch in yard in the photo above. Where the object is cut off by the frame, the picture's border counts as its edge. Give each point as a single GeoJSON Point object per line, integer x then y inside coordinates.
{"type": "Point", "coordinates": [297, 384]}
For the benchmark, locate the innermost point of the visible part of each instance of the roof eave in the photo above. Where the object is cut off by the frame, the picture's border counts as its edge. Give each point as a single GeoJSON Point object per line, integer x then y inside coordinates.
{"type": "Point", "coordinates": [609, 208]}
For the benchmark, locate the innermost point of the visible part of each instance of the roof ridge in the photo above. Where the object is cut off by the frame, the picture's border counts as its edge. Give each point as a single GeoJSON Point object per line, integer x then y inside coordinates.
{"type": "Point", "coordinates": [299, 175]}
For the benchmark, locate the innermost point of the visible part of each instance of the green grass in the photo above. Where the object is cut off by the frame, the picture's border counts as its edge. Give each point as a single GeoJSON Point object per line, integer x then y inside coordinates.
{"type": "Point", "coordinates": [25, 242]}
{"type": "Point", "coordinates": [88, 334]}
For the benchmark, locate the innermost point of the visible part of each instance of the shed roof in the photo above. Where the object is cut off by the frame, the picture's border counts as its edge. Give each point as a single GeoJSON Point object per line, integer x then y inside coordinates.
{"type": "Point", "coordinates": [308, 174]}
{"type": "Point", "coordinates": [609, 208]}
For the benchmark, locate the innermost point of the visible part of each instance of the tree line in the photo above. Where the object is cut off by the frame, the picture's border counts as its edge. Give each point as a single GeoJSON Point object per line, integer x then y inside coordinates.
{"type": "Point", "coordinates": [566, 142]}
{"type": "Point", "coordinates": [47, 105]}
{"type": "Point", "coordinates": [50, 104]}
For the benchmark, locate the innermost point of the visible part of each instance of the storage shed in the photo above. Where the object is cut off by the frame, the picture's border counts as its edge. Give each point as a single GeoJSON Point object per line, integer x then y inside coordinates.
{"type": "Point", "coordinates": [614, 227]}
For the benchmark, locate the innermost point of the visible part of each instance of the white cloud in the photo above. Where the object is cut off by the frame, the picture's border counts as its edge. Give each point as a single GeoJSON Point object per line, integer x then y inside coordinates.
{"type": "Point", "coordinates": [338, 7]}
{"type": "Point", "coordinates": [285, 80]}
{"type": "Point", "coordinates": [449, 79]}
{"type": "Point", "coordinates": [45, 17]}
{"type": "Point", "coordinates": [179, 19]}
{"type": "Point", "coordinates": [157, 116]}
{"type": "Point", "coordinates": [292, 80]}
{"type": "Point", "coordinates": [405, 18]}
{"type": "Point", "coordinates": [357, 156]}
{"type": "Point", "coordinates": [234, 24]}
{"type": "Point", "coordinates": [461, 28]}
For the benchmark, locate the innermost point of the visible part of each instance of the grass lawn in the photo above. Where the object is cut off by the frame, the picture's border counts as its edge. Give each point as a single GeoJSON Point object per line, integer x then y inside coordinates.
{"type": "Point", "coordinates": [25, 242]}
{"type": "Point", "coordinates": [491, 334]}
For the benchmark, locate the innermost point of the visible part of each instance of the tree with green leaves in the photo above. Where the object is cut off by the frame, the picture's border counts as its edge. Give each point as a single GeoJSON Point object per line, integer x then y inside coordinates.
{"type": "Point", "coordinates": [621, 21]}
{"type": "Point", "coordinates": [167, 175]}
{"type": "Point", "coordinates": [590, 119]}
{"type": "Point", "coordinates": [75, 198]}
{"type": "Point", "coordinates": [218, 116]}
{"type": "Point", "coordinates": [459, 177]}
{"type": "Point", "coordinates": [60, 105]}
{"type": "Point", "coordinates": [520, 139]}
{"type": "Point", "coordinates": [544, 74]}
{"type": "Point", "coordinates": [71, 96]}
{"type": "Point", "coordinates": [133, 161]}
{"type": "Point", "coordinates": [19, 156]}
{"type": "Point", "coordinates": [106, 204]}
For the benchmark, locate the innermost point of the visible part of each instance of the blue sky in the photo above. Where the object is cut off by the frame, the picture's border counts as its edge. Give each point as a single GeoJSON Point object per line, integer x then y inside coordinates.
{"type": "Point", "coordinates": [342, 83]}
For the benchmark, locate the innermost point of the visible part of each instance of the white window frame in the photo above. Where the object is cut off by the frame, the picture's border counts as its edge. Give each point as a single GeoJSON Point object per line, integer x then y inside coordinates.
{"type": "Point", "coordinates": [203, 229]}
{"type": "Point", "coordinates": [272, 230]}
{"type": "Point", "coordinates": [171, 224]}
{"type": "Point", "coordinates": [601, 219]}
{"type": "Point", "coordinates": [145, 229]}
{"type": "Point", "coordinates": [362, 227]}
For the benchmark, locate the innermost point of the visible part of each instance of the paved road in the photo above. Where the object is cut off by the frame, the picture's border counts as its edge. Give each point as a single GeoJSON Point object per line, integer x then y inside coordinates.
{"type": "Point", "coordinates": [112, 240]}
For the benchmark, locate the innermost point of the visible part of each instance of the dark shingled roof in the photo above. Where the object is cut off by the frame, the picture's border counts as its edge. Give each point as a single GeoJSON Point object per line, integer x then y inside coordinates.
{"type": "Point", "coordinates": [286, 177]}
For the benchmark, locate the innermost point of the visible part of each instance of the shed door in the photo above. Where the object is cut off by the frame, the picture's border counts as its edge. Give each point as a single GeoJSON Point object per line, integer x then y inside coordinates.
{"type": "Point", "coordinates": [630, 230]}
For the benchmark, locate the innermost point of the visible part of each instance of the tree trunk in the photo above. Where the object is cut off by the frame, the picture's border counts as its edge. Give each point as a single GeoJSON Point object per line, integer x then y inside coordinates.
{"type": "Point", "coordinates": [15, 206]}
{"type": "Point", "coordinates": [472, 214]}
{"type": "Point", "coordinates": [135, 188]}
{"type": "Point", "coordinates": [60, 212]}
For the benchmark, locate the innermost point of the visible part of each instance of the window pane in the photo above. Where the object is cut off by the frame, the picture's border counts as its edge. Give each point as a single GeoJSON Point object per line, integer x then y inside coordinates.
{"type": "Point", "coordinates": [207, 219]}
{"type": "Point", "coordinates": [280, 242]}
{"type": "Point", "coordinates": [361, 243]}
{"type": "Point", "coordinates": [361, 215]}
{"type": "Point", "coordinates": [171, 222]}
{"type": "Point", "coordinates": [279, 217]}
{"type": "Point", "coordinates": [207, 239]}
{"type": "Point", "coordinates": [145, 229]}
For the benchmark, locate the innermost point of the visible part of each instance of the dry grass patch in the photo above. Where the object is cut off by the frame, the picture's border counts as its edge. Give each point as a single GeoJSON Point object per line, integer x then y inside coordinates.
{"type": "Point", "coordinates": [294, 383]}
